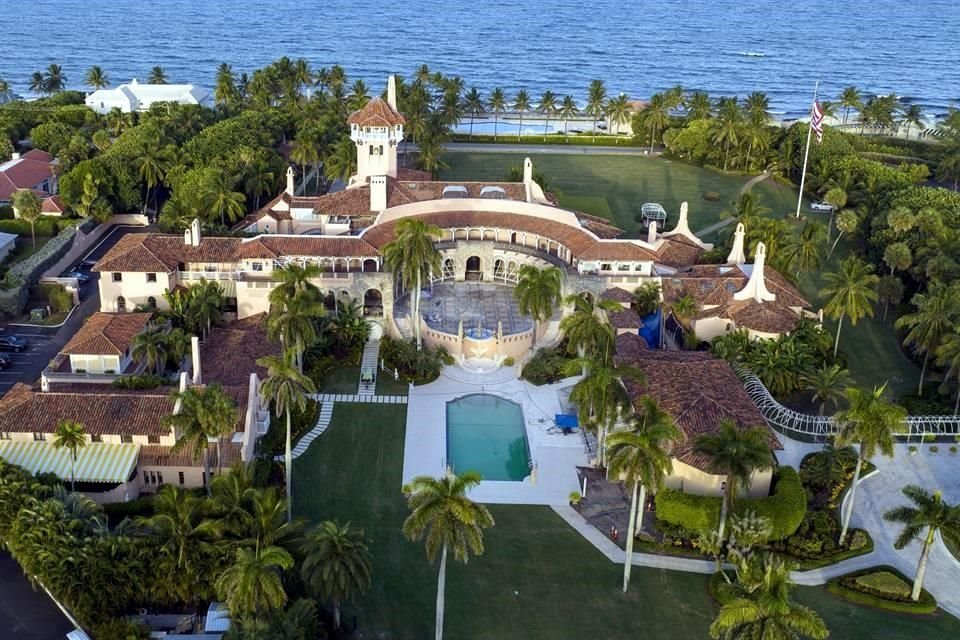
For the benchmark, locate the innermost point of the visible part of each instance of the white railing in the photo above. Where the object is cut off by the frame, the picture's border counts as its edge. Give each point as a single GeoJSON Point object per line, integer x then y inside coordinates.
{"type": "Point", "coordinates": [820, 427]}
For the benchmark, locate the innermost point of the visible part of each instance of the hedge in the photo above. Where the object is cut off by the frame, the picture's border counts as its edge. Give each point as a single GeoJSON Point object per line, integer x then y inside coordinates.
{"type": "Point", "coordinates": [785, 508]}
{"type": "Point", "coordinates": [842, 587]}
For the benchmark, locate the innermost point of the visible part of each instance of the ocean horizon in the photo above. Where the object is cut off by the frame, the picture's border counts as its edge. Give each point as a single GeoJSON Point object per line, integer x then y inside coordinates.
{"type": "Point", "coordinates": [881, 46]}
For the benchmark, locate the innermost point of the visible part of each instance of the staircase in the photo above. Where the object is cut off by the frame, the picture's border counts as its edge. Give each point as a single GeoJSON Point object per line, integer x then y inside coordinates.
{"type": "Point", "coordinates": [323, 421]}
{"type": "Point", "coordinates": [369, 361]}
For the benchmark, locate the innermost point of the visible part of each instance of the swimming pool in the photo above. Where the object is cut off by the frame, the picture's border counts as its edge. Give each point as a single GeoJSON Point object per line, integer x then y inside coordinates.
{"type": "Point", "coordinates": [485, 433]}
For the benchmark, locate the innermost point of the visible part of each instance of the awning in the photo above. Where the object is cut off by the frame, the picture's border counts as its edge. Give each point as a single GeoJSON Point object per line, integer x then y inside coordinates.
{"type": "Point", "coordinates": [96, 462]}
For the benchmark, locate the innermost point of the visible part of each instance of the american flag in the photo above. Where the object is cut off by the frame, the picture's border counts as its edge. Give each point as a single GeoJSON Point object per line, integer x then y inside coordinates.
{"type": "Point", "coordinates": [816, 121]}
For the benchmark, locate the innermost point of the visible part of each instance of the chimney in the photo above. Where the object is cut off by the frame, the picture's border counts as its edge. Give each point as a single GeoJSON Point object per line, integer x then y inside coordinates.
{"type": "Point", "coordinates": [195, 355]}
{"type": "Point", "coordinates": [392, 91]}
{"type": "Point", "coordinates": [652, 233]}
{"type": "Point", "coordinates": [378, 193]}
{"type": "Point", "coordinates": [756, 288]}
{"type": "Point", "coordinates": [195, 233]}
{"type": "Point", "coordinates": [289, 189]}
{"type": "Point", "coordinates": [736, 253]}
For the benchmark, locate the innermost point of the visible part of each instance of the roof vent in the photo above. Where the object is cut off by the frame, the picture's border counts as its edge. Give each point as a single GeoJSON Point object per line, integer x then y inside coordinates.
{"type": "Point", "coordinates": [455, 191]}
{"type": "Point", "coordinates": [494, 193]}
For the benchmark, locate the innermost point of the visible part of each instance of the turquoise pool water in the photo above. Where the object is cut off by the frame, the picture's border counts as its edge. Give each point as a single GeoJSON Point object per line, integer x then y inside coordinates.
{"type": "Point", "coordinates": [486, 434]}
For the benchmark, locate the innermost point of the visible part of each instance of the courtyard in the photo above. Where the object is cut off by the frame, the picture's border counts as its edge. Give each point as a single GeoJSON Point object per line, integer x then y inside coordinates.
{"type": "Point", "coordinates": [478, 305]}
{"type": "Point", "coordinates": [537, 579]}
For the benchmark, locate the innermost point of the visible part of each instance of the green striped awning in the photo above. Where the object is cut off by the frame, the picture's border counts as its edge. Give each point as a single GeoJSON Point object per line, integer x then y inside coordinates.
{"type": "Point", "coordinates": [96, 462]}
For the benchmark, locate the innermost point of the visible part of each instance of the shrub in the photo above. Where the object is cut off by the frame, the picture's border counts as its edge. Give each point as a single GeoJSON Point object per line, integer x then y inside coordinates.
{"type": "Point", "coordinates": [546, 366]}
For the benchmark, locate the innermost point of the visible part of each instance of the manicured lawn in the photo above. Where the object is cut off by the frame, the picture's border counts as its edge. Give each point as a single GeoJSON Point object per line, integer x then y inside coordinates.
{"type": "Point", "coordinates": [614, 187]}
{"type": "Point", "coordinates": [538, 577]}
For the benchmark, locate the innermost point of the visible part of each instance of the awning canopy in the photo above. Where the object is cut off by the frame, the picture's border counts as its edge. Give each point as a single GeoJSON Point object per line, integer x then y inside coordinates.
{"type": "Point", "coordinates": [96, 462]}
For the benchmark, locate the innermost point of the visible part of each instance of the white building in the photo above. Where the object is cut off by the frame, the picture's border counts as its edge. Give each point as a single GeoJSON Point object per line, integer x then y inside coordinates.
{"type": "Point", "coordinates": [140, 97]}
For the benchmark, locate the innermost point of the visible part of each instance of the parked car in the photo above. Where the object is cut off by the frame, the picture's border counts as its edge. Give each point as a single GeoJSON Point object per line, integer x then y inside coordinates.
{"type": "Point", "coordinates": [11, 342]}
{"type": "Point", "coordinates": [5, 361]}
{"type": "Point", "coordinates": [821, 206]}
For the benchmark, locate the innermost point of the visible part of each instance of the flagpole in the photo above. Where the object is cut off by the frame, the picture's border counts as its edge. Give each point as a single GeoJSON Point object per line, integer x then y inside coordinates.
{"type": "Point", "coordinates": [806, 154]}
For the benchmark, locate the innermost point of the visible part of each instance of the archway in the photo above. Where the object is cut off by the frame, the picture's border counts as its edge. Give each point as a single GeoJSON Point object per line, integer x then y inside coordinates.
{"type": "Point", "coordinates": [473, 269]}
{"type": "Point", "coordinates": [373, 303]}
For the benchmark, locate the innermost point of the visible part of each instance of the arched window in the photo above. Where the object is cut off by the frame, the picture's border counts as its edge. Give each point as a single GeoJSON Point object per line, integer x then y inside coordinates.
{"type": "Point", "coordinates": [121, 304]}
{"type": "Point", "coordinates": [151, 303]}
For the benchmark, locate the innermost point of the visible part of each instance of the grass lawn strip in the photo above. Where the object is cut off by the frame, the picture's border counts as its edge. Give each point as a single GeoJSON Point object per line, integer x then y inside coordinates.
{"type": "Point", "coordinates": [538, 577]}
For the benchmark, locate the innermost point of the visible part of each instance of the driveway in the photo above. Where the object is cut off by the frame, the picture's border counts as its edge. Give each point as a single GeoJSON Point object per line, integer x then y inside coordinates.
{"type": "Point", "coordinates": [882, 491]}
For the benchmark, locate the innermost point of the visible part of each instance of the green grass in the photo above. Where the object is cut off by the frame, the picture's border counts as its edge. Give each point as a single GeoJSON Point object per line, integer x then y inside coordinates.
{"type": "Point", "coordinates": [625, 182]}
{"type": "Point", "coordinates": [538, 577]}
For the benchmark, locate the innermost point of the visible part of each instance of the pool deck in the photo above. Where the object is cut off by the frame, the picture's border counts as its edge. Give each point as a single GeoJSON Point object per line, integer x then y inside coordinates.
{"type": "Point", "coordinates": [555, 456]}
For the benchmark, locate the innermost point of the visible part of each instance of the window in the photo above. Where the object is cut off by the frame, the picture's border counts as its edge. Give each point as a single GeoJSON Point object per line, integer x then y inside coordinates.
{"type": "Point", "coordinates": [151, 303]}
{"type": "Point", "coordinates": [153, 439]}
{"type": "Point", "coordinates": [151, 277]}
{"type": "Point", "coordinates": [181, 478]}
{"type": "Point", "coordinates": [38, 437]}
{"type": "Point", "coordinates": [96, 437]}
{"type": "Point", "coordinates": [126, 438]}
{"type": "Point", "coordinates": [117, 277]}
{"type": "Point", "coordinates": [4, 435]}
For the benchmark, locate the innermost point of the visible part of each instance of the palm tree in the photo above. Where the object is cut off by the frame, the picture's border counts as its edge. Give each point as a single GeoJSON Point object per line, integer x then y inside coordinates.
{"type": "Point", "coordinates": [251, 586]}
{"type": "Point", "coordinates": [937, 312]}
{"type": "Point", "coordinates": [97, 78]}
{"type": "Point", "coordinates": [764, 610]}
{"type": "Point", "coordinates": [930, 512]}
{"type": "Point", "coordinates": [568, 109]}
{"type": "Point", "coordinates": [547, 108]}
{"type": "Point", "coordinates": [655, 116]}
{"type": "Point", "coordinates": [336, 565]}
{"type": "Point", "coordinates": [26, 205]}
{"type": "Point", "coordinates": [827, 383]}
{"type": "Point", "coordinates": [641, 456]}
{"type": "Point", "coordinates": [911, 115]}
{"type": "Point", "coordinates": [596, 101]}
{"type": "Point", "coordinates": [56, 80]}
{"type": "Point", "coordinates": [413, 254]}
{"type": "Point", "coordinates": [293, 323]}
{"type": "Point", "coordinates": [473, 104]}
{"type": "Point", "coordinates": [150, 347]}
{"type": "Point", "coordinates": [286, 389]}
{"type": "Point", "coordinates": [204, 413]}
{"type": "Point", "coordinates": [587, 332]}
{"type": "Point", "coordinates": [735, 453]}
{"type": "Point", "coordinates": [442, 515]}
{"type": "Point", "coordinates": [870, 421]}
{"type": "Point", "coordinates": [157, 76]}
{"type": "Point", "coordinates": [948, 354]}
{"type": "Point", "coordinates": [220, 197]}
{"type": "Point", "coordinates": [850, 292]}
{"type": "Point", "coordinates": [850, 99]}
{"type": "Point", "coordinates": [521, 104]}
{"type": "Point", "coordinates": [69, 435]}
{"type": "Point", "coordinates": [497, 103]}
{"type": "Point", "coordinates": [537, 292]}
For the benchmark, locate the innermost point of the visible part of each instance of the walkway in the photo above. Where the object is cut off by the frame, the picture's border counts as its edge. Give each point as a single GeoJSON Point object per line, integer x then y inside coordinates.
{"type": "Point", "coordinates": [369, 362]}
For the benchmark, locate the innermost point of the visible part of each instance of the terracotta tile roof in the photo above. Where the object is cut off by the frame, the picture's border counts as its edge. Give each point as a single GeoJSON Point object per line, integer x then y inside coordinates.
{"type": "Point", "coordinates": [25, 410]}
{"type": "Point", "coordinates": [272, 246]}
{"type": "Point", "coordinates": [157, 456]}
{"type": "Point", "coordinates": [699, 391]}
{"type": "Point", "coordinates": [616, 294]}
{"type": "Point", "coordinates": [624, 319]}
{"type": "Point", "coordinates": [229, 355]}
{"type": "Point", "coordinates": [629, 347]}
{"type": "Point", "coordinates": [678, 251]}
{"type": "Point", "coordinates": [376, 113]}
{"type": "Point", "coordinates": [107, 334]}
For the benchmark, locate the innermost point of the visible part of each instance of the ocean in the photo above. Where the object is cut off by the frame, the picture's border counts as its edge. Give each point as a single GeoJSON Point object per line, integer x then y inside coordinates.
{"type": "Point", "coordinates": [724, 47]}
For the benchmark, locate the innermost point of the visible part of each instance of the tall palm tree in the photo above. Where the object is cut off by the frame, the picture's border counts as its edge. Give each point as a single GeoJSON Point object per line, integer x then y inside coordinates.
{"type": "Point", "coordinates": [588, 333]}
{"type": "Point", "coordinates": [735, 453]}
{"type": "Point", "coordinates": [205, 414]}
{"type": "Point", "coordinates": [596, 102]}
{"type": "Point", "coordinates": [537, 293]}
{"type": "Point", "coordinates": [850, 293]}
{"type": "Point", "coordinates": [618, 111]}
{"type": "Point", "coordinates": [157, 76]}
{"type": "Point", "coordinates": [765, 611]}
{"type": "Point", "coordinates": [70, 436]}
{"type": "Point", "coordinates": [252, 586]}
{"type": "Point", "coordinates": [473, 105]}
{"type": "Point", "coordinates": [568, 109]}
{"type": "Point", "coordinates": [930, 511]}
{"type": "Point", "coordinates": [413, 255]}
{"type": "Point", "coordinates": [827, 383]}
{"type": "Point", "coordinates": [870, 421]}
{"type": "Point", "coordinates": [96, 78]}
{"type": "Point", "coordinates": [56, 79]}
{"type": "Point", "coordinates": [937, 312]}
{"type": "Point", "coordinates": [150, 347]}
{"type": "Point", "coordinates": [547, 107]}
{"type": "Point", "coordinates": [27, 206]}
{"type": "Point", "coordinates": [850, 99]}
{"type": "Point", "coordinates": [911, 115]}
{"type": "Point", "coordinates": [497, 103]}
{"type": "Point", "coordinates": [655, 117]}
{"type": "Point", "coordinates": [220, 197]}
{"type": "Point", "coordinates": [336, 565]}
{"type": "Point", "coordinates": [521, 104]}
{"type": "Point", "coordinates": [641, 456]}
{"type": "Point", "coordinates": [447, 520]}
{"type": "Point", "coordinates": [286, 389]}
{"type": "Point", "coordinates": [294, 323]}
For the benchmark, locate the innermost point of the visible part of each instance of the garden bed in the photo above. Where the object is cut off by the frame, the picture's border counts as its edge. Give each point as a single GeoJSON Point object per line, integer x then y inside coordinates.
{"type": "Point", "coordinates": [882, 587]}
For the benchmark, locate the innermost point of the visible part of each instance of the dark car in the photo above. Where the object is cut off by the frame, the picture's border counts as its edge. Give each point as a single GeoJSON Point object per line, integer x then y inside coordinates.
{"type": "Point", "coordinates": [5, 361]}
{"type": "Point", "coordinates": [12, 343]}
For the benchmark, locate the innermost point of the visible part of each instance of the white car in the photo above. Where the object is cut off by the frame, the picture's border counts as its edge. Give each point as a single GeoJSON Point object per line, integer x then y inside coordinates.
{"type": "Point", "coordinates": [821, 206]}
